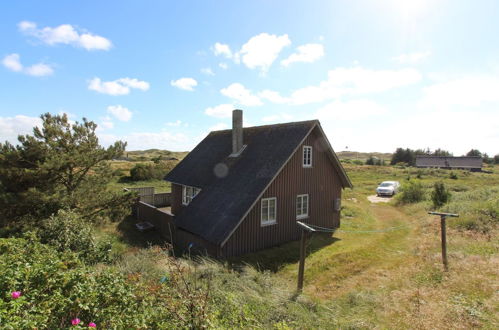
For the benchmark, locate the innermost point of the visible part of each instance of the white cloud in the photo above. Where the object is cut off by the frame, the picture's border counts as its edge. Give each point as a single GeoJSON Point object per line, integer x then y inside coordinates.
{"type": "Point", "coordinates": [218, 127]}
{"type": "Point", "coordinates": [273, 96]}
{"type": "Point", "coordinates": [207, 71]}
{"type": "Point", "coordinates": [39, 70]}
{"type": "Point", "coordinates": [117, 87]}
{"type": "Point", "coordinates": [281, 117]}
{"type": "Point", "coordinates": [457, 131]}
{"type": "Point", "coordinates": [241, 95]}
{"type": "Point", "coordinates": [355, 81]}
{"type": "Point", "coordinates": [65, 34]}
{"type": "Point", "coordinates": [222, 49]}
{"type": "Point", "coordinates": [223, 66]}
{"type": "Point", "coordinates": [13, 63]}
{"type": "Point", "coordinates": [262, 50]}
{"type": "Point", "coordinates": [106, 123]}
{"type": "Point", "coordinates": [220, 111]}
{"type": "Point", "coordinates": [151, 140]}
{"type": "Point", "coordinates": [134, 83]}
{"type": "Point", "coordinates": [351, 110]}
{"type": "Point", "coordinates": [186, 84]}
{"type": "Point", "coordinates": [11, 127]}
{"type": "Point", "coordinates": [411, 58]}
{"type": "Point", "coordinates": [174, 124]}
{"type": "Point", "coordinates": [472, 91]}
{"type": "Point", "coordinates": [306, 53]}
{"type": "Point", "coordinates": [120, 112]}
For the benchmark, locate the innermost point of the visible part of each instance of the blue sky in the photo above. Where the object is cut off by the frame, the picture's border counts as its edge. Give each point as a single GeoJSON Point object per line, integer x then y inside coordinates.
{"type": "Point", "coordinates": [162, 74]}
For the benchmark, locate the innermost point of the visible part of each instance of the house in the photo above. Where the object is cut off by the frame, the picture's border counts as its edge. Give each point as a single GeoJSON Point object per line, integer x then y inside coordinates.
{"type": "Point", "coordinates": [447, 162]}
{"type": "Point", "coordinates": [242, 190]}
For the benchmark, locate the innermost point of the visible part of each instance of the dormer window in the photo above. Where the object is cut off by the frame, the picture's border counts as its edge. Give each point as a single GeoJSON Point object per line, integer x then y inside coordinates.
{"type": "Point", "coordinates": [307, 156]}
{"type": "Point", "coordinates": [188, 194]}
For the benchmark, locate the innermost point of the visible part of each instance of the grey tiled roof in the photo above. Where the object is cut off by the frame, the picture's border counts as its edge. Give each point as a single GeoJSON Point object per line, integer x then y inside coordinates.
{"type": "Point", "coordinates": [449, 162]}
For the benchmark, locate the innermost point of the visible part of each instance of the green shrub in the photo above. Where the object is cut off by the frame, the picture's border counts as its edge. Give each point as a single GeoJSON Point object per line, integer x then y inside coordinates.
{"type": "Point", "coordinates": [144, 172]}
{"type": "Point", "coordinates": [56, 287]}
{"type": "Point", "coordinates": [453, 176]}
{"type": "Point", "coordinates": [68, 231]}
{"type": "Point", "coordinates": [478, 209]}
{"type": "Point", "coordinates": [440, 195]}
{"type": "Point", "coordinates": [412, 191]}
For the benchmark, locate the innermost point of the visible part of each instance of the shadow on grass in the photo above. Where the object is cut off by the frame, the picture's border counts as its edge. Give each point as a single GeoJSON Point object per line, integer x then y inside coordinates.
{"type": "Point", "coordinates": [130, 235]}
{"type": "Point", "coordinates": [273, 259]}
{"type": "Point", "coordinates": [125, 179]}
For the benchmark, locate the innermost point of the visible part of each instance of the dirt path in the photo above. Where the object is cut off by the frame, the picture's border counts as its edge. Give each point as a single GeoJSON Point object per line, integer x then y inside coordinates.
{"type": "Point", "coordinates": [378, 199]}
{"type": "Point", "coordinates": [361, 259]}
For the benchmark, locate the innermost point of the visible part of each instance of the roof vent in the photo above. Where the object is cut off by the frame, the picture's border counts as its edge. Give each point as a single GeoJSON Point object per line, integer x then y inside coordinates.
{"type": "Point", "coordinates": [237, 133]}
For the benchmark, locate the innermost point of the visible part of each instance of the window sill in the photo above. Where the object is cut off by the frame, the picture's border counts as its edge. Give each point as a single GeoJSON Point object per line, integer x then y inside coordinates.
{"type": "Point", "coordinates": [301, 217]}
{"type": "Point", "coordinates": [270, 223]}
{"type": "Point", "coordinates": [307, 166]}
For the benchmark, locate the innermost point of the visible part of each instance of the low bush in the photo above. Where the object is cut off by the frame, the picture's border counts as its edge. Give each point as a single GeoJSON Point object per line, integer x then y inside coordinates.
{"type": "Point", "coordinates": [46, 289]}
{"type": "Point", "coordinates": [144, 172]}
{"type": "Point", "coordinates": [478, 209]}
{"type": "Point", "coordinates": [67, 231]}
{"type": "Point", "coordinates": [440, 195]}
{"type": "Point", "coordinates": [412, 191]}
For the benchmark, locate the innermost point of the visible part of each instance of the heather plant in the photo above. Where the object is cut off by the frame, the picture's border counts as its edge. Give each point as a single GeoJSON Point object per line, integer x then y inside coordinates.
{"type": "Point", "coordinates": [412, 191]}
{"type": "Point", "coordinates": [440, 195]}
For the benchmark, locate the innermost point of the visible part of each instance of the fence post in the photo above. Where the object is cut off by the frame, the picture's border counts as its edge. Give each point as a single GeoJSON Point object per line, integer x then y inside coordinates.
{"type": "Point", "coordinates": [443, 235]}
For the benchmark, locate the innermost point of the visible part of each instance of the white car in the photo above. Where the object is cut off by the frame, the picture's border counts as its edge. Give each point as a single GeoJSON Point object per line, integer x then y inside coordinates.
{"type": "Point", "coordinates": [388, 188]}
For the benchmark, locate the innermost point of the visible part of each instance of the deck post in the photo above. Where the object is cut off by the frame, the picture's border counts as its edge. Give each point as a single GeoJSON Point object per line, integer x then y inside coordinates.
{"type": "Point", "coordinates": [301, 268]}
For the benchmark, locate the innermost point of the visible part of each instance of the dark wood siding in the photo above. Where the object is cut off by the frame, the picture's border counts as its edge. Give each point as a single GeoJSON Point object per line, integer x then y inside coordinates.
{"type": "Point", "coordinates": [176, 198]}
{"type": "Point", "coordinates": [321, 182]}
{"type": "Point", "coordinates": [185, 242]}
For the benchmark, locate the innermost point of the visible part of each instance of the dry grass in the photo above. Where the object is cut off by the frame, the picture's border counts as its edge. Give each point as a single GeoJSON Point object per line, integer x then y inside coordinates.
{"type": "Point", "coordinates": [379, 280]}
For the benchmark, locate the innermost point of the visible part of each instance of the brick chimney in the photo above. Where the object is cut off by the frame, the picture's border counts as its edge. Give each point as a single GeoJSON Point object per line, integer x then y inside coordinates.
{"type": "Point", "coordinates": [237, 132]}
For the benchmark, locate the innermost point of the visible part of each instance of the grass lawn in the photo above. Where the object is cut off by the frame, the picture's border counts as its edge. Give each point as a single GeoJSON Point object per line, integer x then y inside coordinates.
{"type": "Point", "coordinates": [395, 278]}
{"type": "Point", "coordinates": [390, 277]}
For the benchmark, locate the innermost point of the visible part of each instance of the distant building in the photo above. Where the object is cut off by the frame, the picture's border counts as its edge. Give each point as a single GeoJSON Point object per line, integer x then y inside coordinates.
{"type": "Point", "coordinates": [459, 163]}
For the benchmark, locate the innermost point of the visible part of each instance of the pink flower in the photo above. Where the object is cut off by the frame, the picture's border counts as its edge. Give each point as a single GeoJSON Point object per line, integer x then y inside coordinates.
{"type": "Point", "coordinates": [16, 294]}
{"type": "Point", "coordinates": [92, 325]}
{"type": "Point", "coordinates": [75, 321]}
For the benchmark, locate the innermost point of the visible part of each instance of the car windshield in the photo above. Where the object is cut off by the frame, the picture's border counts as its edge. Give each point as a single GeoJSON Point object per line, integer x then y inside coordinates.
{"type": "Point", "coordinates": [386, 184]}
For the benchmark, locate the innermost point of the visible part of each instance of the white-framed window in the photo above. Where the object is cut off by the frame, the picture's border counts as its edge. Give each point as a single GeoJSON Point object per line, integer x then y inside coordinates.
{"type": "Point", "coordinates": [188, 194]}
{"type": "Point", "coordinates": [307, 156]}
{"type": "Point", "coordinates": [268, 211]}
{"type": "Point", "coordinates": [302, 206]}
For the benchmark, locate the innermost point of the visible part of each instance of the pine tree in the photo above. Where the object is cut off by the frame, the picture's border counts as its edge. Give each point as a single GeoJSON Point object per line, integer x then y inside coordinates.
{"type": "Point", "coordinates": [60, 166]}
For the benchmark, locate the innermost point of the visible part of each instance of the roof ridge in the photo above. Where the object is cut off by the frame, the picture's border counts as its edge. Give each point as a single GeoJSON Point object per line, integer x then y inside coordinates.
{"type": "Point", "coordinates": [448, 156]}
{"type": "Point", "coordinates": [273, 125]}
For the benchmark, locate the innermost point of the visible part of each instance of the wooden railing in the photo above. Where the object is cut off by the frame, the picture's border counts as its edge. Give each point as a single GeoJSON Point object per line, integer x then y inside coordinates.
{"type": "Point", "coordinates": [162, 221]}
{"type": "Point", "coordinates": [147, 195]}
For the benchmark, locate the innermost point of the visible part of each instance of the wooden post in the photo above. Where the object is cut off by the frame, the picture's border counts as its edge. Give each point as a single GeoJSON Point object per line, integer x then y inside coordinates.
{"type": "Point", "coordinates": [301, 268]}
{"type": "Point", "coordinates": [444, 242]}
{"type": "Point", "coordinates": [443, 232]}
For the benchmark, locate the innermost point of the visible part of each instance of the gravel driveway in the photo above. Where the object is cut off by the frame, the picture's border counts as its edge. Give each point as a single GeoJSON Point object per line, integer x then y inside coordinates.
{"type": "Point", "coordinates": [377, 199]}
